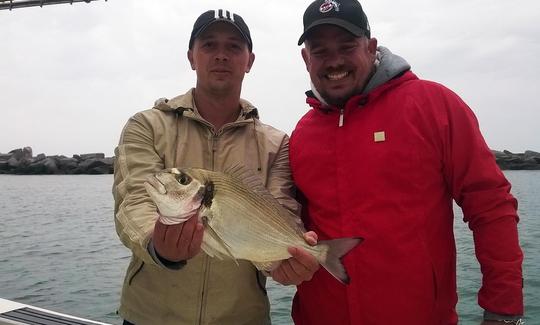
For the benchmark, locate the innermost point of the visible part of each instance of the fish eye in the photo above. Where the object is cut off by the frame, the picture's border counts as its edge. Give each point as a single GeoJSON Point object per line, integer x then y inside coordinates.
{"type": "Point", "coordinates": [183, 179]}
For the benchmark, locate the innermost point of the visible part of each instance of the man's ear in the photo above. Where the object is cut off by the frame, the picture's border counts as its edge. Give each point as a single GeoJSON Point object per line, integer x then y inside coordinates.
{"type": "Point", "coordinates": [372, 46]}
{"type": "Point", "coordinates": [250, 62]}
{"type": "Point", "coordinates": [305, 56]}
{"type": "Point", "coordinates": [190, 58]}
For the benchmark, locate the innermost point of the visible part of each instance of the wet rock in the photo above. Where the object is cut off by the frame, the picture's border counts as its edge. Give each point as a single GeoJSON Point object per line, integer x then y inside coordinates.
{"type": "Point", "coordinates": [92, 156]}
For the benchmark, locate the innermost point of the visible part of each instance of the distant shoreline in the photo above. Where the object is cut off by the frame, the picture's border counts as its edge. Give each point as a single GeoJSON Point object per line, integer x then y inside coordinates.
{"type": "Point", "coordinates": [22, 162]}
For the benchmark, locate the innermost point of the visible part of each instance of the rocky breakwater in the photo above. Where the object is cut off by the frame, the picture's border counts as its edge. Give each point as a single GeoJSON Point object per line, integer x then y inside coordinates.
{"type": "Point", "coordinates": [529, 160]}
{"type": "Point", "coordinates": [22, 162]}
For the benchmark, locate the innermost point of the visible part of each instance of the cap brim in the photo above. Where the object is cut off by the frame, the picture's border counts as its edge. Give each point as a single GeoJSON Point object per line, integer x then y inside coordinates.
{"type": "Point", "coordinates": [203, 28]}
{"type": "Point", "coordinates": [353, 29]}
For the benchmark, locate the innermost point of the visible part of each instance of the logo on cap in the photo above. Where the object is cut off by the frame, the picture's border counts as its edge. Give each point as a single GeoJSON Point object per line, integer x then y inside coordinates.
{"type": "Point", "coordinates": [223, 14]}
{"type": "Point", "coordinates": [328, 5]}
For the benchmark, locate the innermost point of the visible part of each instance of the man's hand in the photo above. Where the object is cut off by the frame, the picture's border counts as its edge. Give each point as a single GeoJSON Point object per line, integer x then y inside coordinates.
{"type": "Point", "coordinates": [178, 242]}
{"type": "Point", "coordinates": [300, 267]}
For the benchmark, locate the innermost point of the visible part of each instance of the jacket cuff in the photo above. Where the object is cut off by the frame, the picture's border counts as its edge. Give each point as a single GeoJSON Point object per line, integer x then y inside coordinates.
{"type": "Point", "coordinates": [162, 261]}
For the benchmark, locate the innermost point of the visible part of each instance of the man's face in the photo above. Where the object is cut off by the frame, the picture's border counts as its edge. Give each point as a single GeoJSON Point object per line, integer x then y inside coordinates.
{"type": "Point", "coordinates": [221, 57]}
{"type": "Point", "coordinates": [338, 62]}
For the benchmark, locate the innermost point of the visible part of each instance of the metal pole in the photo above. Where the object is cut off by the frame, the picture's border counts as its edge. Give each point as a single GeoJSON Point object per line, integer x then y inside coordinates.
{"type": "Point", "coordinates": [15, 4]}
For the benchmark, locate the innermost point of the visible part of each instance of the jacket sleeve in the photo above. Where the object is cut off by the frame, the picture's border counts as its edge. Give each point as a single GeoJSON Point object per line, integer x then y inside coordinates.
{"type": "Point", "coordinates": [135, 213]}
{"type": "Point", "coordinates": [280, 182]}
{"type": "Point", "coordinates": [482, 191]}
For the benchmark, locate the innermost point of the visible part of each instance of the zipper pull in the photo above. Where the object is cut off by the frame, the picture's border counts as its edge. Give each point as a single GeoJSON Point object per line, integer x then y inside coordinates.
{"type": "Point", "coordinates": [340, 117]}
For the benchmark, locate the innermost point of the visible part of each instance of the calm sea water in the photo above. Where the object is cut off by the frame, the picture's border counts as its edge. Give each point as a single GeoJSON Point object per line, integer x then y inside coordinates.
{"type": "Point", "coordinates": [59, 250]}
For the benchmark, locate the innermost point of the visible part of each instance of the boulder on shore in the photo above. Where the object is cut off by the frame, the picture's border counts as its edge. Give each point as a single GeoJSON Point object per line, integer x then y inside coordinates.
{"type": "Point", "coordinates": [529, 160]}
{"type": "Point", "coordinates": [22, 162]}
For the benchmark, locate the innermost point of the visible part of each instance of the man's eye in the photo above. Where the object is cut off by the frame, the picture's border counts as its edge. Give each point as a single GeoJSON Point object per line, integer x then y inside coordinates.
{"type": "Point", "coordinates": [348, 47]}
{"type": "Point", "coordinates": [235, 47]}
{"type": "Point", "coordinates": [318, 53]}
{"type": "Point", "coordinates": [184, 179]}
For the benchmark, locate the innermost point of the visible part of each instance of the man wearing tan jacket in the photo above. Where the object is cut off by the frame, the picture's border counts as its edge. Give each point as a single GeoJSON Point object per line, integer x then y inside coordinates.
{"type": "Point", "coordinates": [169, 281]}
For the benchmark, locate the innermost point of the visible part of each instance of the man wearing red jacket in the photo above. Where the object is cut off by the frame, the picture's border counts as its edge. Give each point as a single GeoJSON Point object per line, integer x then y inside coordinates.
{"type": "Point", "coordinates": [381, 155]}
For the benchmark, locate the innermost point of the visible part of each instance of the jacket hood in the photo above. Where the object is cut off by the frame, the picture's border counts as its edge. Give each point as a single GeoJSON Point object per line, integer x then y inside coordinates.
{"type": "Point", "coordinates": [185, 102]}
{"type": "Point", "coordinates": [387, 66]}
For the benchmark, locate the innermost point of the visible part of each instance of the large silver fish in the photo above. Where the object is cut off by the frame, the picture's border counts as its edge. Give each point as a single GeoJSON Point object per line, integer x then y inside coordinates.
{"type": "Point", "coordinates": [242, 219]}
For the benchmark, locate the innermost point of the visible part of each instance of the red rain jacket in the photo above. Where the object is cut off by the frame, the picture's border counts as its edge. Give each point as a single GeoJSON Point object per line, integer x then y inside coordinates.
{"type": "Point", "coordinates": [389, 175]}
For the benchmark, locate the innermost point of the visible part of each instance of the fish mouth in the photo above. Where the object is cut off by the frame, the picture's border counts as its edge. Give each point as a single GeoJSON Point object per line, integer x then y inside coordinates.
{"type": "Point", "coordinates": [207, 194]}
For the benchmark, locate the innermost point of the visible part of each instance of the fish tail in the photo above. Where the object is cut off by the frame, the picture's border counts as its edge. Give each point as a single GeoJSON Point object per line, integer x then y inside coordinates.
{"type": "Point", "coordinates": [337, 248]}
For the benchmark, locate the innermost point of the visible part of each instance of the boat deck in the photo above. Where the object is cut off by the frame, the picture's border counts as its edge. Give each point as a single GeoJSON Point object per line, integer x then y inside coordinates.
{"type": "Point", "coordinates": [14, 313]}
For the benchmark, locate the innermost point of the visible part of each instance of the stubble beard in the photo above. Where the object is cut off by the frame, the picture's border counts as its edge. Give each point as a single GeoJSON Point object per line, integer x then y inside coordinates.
{"type": "Point", "coordinates": [338, 101]}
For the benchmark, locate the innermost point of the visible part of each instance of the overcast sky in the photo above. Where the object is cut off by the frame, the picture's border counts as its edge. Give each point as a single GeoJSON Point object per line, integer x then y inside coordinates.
{"type": "Point", "coordinates": [71, 75]}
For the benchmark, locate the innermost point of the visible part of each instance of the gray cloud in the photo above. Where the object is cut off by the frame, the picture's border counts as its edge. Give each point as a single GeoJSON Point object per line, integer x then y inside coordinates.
{"type": "Point", "coordinates": [71, 75]}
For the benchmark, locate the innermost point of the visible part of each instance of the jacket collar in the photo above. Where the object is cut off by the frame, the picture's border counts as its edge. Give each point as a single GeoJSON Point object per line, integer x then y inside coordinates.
{"type": "Point", "coordinates": [360, 99]}
{"type": "Point", "coordinates": [186, 105]}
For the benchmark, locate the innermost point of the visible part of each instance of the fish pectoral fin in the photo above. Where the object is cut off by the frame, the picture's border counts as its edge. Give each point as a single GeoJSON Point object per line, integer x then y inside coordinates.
{"type": "Point", "coordinates": [220, 241]}
{"type": "Point", "coordinates": [266, 266]}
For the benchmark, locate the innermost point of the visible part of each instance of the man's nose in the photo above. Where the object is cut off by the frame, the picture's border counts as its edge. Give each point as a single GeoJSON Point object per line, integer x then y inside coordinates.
{"type": "Point", "coordinates": [334, 59]}
{"type": "Point", "coordinates": [221, 54]}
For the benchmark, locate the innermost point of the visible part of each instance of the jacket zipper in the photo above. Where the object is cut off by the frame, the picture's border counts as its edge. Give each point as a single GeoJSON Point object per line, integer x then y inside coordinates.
{"type": "Point", "coordinates": [214, 138]}
{"type": "Point", "coordinates": [204, 295]}
{"type": "Point", "coordinates": [202, 310]}
{"type": "Point", "coordinates": [340, 124]}
{"type": "Point", "coordinates": [214, 149]}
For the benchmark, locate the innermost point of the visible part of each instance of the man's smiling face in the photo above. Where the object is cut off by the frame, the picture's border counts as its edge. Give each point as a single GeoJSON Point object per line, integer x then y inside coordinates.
{"type": "Point", "coordinates": [338, 62]}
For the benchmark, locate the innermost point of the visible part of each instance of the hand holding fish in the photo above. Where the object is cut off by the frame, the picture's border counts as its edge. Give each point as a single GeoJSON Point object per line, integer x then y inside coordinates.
{"type": "Point", "coordinates": [300, 267]}
{"type": "Point", "coordinates": [178, 242]}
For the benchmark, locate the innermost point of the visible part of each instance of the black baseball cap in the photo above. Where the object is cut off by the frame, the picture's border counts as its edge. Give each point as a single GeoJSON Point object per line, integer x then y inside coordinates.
{"type": "Point", "coordinates": [347, 14]}
{"type": "Point", "coordinates": [211, 16]}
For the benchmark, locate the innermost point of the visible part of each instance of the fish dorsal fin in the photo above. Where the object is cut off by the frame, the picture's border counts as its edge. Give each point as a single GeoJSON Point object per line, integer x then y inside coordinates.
{"type": "Point", "coordinates": [251, 180]}
{"type": "Point", "coordinates": [218, 239]}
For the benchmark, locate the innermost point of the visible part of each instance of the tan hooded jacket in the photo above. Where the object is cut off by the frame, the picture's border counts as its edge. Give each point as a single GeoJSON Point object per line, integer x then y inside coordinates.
{"type": "Point", "coordinates": [206, 290]}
